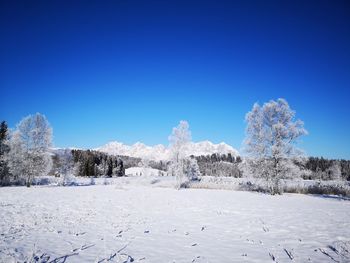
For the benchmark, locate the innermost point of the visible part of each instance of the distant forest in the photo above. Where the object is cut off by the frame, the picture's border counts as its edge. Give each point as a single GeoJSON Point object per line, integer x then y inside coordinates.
{"type": "Point", "coordinates": [95, 164]}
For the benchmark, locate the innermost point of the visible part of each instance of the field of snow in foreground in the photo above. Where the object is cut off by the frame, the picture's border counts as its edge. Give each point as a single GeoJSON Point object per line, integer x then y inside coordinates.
{"type": "Point", "coordinates": [134, 223]}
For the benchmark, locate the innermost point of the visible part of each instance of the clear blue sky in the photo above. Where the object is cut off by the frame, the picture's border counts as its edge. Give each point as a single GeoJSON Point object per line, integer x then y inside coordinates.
{"type": "Point", "coordinates": [130, 70]}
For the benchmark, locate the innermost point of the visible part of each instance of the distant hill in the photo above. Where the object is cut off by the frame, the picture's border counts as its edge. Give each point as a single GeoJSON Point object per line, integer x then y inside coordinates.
{"type": "Point", "coordinates": [161, 152]}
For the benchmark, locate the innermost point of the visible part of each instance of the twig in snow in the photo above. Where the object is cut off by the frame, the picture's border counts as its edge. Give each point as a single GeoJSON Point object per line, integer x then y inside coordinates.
{"type": "Point", "coordinates": [129, 259]}
{"type": "Point", "coordinates": [273, 257]}
{"type": "Point", "coordinates": [87, 246]}
{"type": "Point", "coordinates": [193, 260]}
{"type": "Point", "coordinates": [334, 249]}
{"type": "Point", "coordinates": [325, 253]}
{"type": "Point", "coordinates": [289, 254]}
{"type": "Point", "coordinates": [63, 259]}
{"type": "Point", "coordinates": [111, 257]}
{"type": "Point", "coordinates": [120, 250]}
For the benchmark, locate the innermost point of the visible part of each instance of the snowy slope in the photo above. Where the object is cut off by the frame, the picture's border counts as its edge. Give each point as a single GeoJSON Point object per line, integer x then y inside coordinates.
{"type": "Point", "coordinates": [160, 152]}
{"type": "Point", "coordinates": [126, 222]}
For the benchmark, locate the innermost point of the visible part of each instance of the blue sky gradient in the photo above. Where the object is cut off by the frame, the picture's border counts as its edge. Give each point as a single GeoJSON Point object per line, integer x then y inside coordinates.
{"type": "Point", "coordinates": [130, 70]}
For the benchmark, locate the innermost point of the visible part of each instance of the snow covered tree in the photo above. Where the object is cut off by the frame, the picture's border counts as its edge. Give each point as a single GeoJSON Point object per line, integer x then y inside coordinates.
{"type": "Point", "coordinates": [334, 172]}
{"type": "Point", "coordinates": [192, 171]}
{"type": "Point", "coordinates": [29, 154]}
{"type": "Point", "coordinates": [179, 140]}
{"type": "Point", "coordinates": [16, 157]}
{"type": "Point", "coordinates": [65, 167]}
{"type": "Point", "coordinates": [271, 135]}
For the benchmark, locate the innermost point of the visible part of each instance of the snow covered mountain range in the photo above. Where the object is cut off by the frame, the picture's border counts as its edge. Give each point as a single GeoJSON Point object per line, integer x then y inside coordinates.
{"type": "Point", "coordinates": [161, 152]}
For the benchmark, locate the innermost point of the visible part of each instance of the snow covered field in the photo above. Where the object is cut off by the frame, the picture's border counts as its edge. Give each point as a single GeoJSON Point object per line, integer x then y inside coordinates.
{"type": "Point", "coordinates": [140, 220]}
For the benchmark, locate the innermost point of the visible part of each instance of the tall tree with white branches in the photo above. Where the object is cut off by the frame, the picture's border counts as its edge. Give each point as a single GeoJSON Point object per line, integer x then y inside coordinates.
{"type": "Point", "coordinates": [179, 140]}
{"type": "Point", "coordinates": [29, 153]}
{"type": "Point", "coordinates": [270, 145]}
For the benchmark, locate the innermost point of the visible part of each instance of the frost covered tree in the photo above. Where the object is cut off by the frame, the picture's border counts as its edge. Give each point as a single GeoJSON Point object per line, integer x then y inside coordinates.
{"type": "Point", "coordinates": [65, 167]}
{"type": "Point", "coordinates": [16, 157]}
{"type": "Point", "coordinates": [179, 140]}
{"type": "Point", "coordinates": [271, 135]}
{"type": "Point", "coordinates": [334, 172]}
{"type": "Point", "coordinates": [192, 171]}
{"type": "Point", "coordinates": [29, 154]}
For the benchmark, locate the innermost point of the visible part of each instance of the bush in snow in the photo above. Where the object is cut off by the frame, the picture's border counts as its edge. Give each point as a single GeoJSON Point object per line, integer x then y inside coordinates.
{"type": "Point", "coordinates": [106, 181]}
{"type": "Point", "coordinates": [92, 181]}
{"type": "Point", "coordinates": [271, 134]}
{"type": "Point", "coordinates": [69, 179]}
{"type": "Point", "coordinates": [335, 188]}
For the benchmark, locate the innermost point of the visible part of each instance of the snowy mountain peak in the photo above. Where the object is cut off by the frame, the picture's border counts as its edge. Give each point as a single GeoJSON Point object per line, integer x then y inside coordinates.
{"type": "Point", "coordinates": [161, 152]}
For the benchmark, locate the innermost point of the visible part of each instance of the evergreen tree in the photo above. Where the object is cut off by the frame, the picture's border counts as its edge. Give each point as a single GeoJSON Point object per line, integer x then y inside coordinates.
{"type": "Point", "coordinates": [4, 149]}
{"type": "Point", "coordinates": [193, 171]}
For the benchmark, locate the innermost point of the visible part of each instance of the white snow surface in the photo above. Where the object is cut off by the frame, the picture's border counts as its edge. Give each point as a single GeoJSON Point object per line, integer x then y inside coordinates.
{"type": "Point", "coordinates": [143, 219]}
{"type": "Point", "coordinates": [161, 152]}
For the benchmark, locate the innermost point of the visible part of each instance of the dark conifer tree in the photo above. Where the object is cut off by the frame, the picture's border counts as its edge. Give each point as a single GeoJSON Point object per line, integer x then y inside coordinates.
{"type": "Point", "coordinates": [4, 170]}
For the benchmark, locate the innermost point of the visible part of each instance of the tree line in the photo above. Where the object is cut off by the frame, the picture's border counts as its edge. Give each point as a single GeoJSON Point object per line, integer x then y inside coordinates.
{"type": "Point", "coordinates": [93, 163]}
{"type": "Point", "coordinates": [327, 169]}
